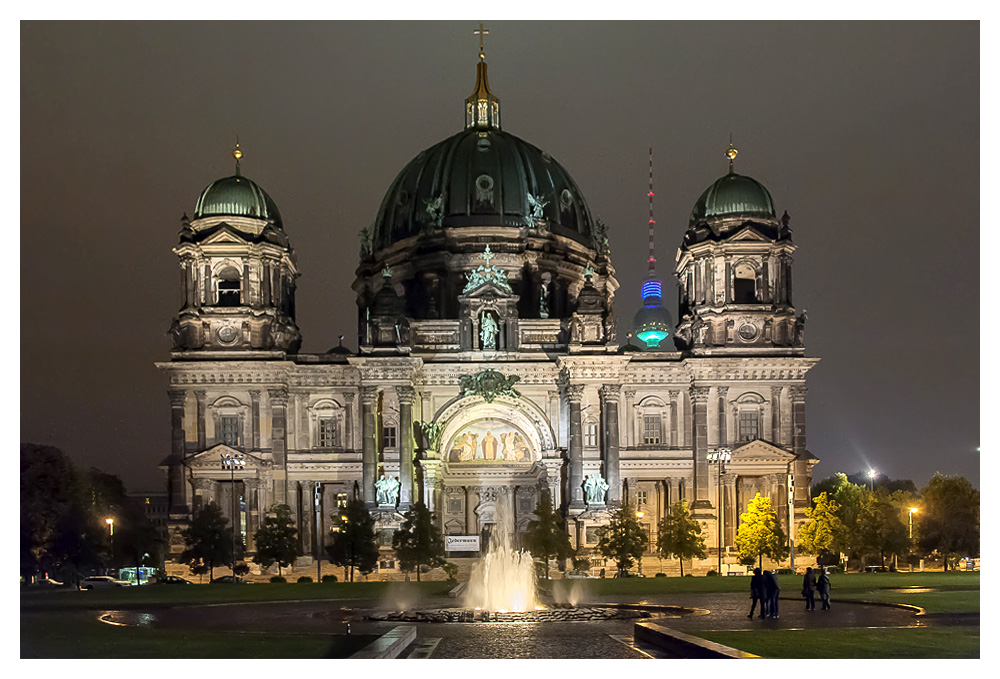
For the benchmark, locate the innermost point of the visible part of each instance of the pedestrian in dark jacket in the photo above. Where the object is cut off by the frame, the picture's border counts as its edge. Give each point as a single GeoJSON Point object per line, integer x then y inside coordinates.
{"type": "Point", "coordinates": [809, 589]}
{"type": "Point", "coordinates": [771, 592]}
{"type": "Point", "coordinates": [757, 593]}
{"type": "Point", "coordinates": [823, 587]}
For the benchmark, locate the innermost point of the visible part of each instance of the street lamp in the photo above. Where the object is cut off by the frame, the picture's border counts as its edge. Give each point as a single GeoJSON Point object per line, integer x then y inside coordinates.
{"type": "Point", "coordinates": [231, 462]}
{"type": "Point", "coordinates": [111, 530]}
{"type": "Point", "coordinates": [639, 514]}
{"type": "Point", "coordinates": [913, 510]}
{"type": "Point", "coordinates": [872, 474]}
{"type": "Point", "coordinates": [720, 457]}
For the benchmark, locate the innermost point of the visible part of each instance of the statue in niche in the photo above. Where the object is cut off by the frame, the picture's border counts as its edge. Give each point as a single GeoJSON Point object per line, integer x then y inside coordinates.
{"type": "Point", "coordinates": [366, 241]}
{"type": "Point", "coordinates": [387, 490]}
{"type": "Point", "coordinates": [596, 489]}
{"type": "Point", "coordinates": [488, 332]}
{"type": "Point", "coordinates": [543, 300]}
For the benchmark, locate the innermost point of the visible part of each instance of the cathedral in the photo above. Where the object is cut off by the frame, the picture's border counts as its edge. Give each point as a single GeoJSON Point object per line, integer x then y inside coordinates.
{"type": "Point", "coordinates": [492, 367]}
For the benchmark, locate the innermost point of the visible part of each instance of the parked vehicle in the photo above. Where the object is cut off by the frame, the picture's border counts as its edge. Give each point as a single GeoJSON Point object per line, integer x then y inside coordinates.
{"type": "Point", "coordinates": [581, 575]}
{"type": "Point", "coordinates": [44, 583]}
{"type": "Point", "coordinates": [229, 580]}
{"type": "Point", "coordinates": [172, 580]}
{"type": "Point", "coordinates": [103, 581]}
{"type": "Point", "coordinates": [876, 569]}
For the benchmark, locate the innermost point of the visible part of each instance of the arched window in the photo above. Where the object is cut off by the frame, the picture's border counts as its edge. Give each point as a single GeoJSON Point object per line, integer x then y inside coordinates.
{"type": "Point", "coordinates": [744, 284]}
{"type": "Point", "coordinates": [228, 286]}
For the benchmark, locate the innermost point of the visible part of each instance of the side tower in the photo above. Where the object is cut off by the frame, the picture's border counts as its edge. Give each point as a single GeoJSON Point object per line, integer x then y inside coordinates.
{"type": "Point", "coordinates": [734, 269]}
{"type": "Point", "coordinates": [238, 275]}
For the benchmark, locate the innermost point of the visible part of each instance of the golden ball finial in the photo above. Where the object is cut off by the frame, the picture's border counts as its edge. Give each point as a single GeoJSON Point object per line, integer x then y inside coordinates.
{"type": "Point", "coordinates": [237, 154]}
{"type": "Point", "coordinates": [731, 152]}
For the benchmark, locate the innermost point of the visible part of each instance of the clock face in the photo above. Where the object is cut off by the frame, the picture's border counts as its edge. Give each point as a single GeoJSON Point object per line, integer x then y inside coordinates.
{"type": "Point", "coordinates": [748, 332]}
{"type": "Point", "coordinates": [227, 334]}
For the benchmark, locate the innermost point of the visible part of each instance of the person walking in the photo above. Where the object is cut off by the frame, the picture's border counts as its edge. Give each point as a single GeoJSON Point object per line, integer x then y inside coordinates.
{"type": "Point", "coordinates": [809, 589]}
{"type": "Point", "coordinates": [823, 587]}
{"type": "Point", "coordinates": [757, 593]}
{"type": "Point", "coordinates": [771, 592]}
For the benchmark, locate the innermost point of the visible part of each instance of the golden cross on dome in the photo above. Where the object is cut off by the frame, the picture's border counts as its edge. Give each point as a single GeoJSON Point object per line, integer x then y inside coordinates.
{"type": "Point", "coordinates": [237, 154]}
{"type": "Point", "coordinates": [481, 32]}
{"type": "Point", "coordinates": [487, 255]}
{"type": "Point", "coordinates": [731, 152]}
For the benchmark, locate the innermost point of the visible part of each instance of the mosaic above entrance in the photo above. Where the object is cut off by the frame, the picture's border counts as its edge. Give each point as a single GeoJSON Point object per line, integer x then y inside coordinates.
{"type": "Point", "coordinates": [489, 441]}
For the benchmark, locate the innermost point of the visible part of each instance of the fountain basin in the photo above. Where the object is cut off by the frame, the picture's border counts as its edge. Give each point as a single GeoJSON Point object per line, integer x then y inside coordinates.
{"type": "Point", "coordinates": [561, 614]}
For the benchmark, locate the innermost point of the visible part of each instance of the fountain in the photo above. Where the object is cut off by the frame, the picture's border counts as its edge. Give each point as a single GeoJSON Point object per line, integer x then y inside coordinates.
{"type": "Point", "coordinates": [504, 580]}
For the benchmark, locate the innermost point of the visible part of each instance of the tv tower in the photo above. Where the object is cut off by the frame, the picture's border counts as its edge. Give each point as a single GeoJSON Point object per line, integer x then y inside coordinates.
{"type": "Point", "coordinates": [652, 323]}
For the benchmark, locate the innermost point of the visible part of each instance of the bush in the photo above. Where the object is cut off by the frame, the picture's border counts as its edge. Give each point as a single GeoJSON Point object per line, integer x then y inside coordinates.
{"type": "Point", "coordinates": [711, 573]}
{"type": "Point", "coordinates": [451, 570]}
{"type": "Point", "coordinates": [304, 578]}
{"type": "Point", "coordinates": [660, 575]}
{"type": "Point", "coordinates": [329, 578]}
{"type": "Point", "coordinates": [278, 578]}
{"type": "Point", "coordinates": [688, 575]}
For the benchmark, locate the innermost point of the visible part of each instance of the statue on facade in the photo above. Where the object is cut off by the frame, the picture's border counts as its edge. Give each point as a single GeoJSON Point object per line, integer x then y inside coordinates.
{"type": "Point", "coordinates": [536, 212]}
{"type": "Point", "coordinates": [387, 491]}
{"type": "Point", "coordinates": [596, 489]}
{"type": "Point", "coordinates": [366, 242]}
{"type": "Point", "coordinates": [543, 300]}
{"type": "Point", "coordinates": [488, 332]}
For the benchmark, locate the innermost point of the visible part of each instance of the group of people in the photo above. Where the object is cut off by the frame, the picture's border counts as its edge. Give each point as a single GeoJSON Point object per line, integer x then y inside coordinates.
{"type": "Point", "coordinates": [812, 584]}
{"type": "Point", "coordinates": [764, 590]}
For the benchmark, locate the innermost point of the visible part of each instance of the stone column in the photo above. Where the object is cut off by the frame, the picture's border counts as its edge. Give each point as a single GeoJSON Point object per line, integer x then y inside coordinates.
{"type": "Point", "coordinates": [254, 419]}
{"type": "Point", "coordinates": [405, 396]}
{"type": "Point", "coordinates": [471, 500]}
{"type": "Point", "coordinates": [348, 442]}
{"type": "Point", "coordinates": [369, 449]}
{"type": "Point", "coordinates": [776, 415]}
{"type": "Point", "coordinates": [201, 396]}
{"type": "Point", "coordinates": [253, 511]}
{"type": "Point", "coordinates": [729, 278]}
{"type": "Point", "coordinates": [699, 451]}
{"type": "Point", "coordinates": [432, 484]}
{"type": "Point", "coordinates": [674, 409]}
{"type": "Point", "coordinates": [609, 413]}
{"type": "Point", "coordinates": [629, 418]}
{"type": "Point", "coordinates": [723, 435]}
{"type": "Point", "coordinates": [574, 394]}
{"type": "Point", "coordinates": [729, 509]}
{"type": "Point", "coordinates": [175, 478]}
{"type": "Point", "coordinates": [799, 467]}
{"type": "Point", "coordinates": [279, 404]}
{"type": "Point", "coordinates": [207, 288]}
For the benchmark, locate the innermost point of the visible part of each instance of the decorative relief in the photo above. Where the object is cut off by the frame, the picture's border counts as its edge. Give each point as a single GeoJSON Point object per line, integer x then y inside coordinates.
{"type": "Point", "coordinates": [489, 384]}
{"type": "Point", "coordinates": [535, 215]}
{"type": "Point", "coordinates": [487, 274]}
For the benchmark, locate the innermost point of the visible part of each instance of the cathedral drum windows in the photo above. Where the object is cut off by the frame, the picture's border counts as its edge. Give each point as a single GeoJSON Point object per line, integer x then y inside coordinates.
{"type": "Point", "coordinates": [227, 287]}
{"type": "Point", "coordinates": [745, 284]}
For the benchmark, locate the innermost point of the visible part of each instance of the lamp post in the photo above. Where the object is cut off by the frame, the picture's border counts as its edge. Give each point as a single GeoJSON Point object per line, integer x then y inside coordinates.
{"type": "Point", "coordinates": [872, 474]}
{"type": "Point", "coordinates": [913, 510]}
{"type": "Point", "coordinates": [111, 531]}
{"type": "Point", "coordinates": [720, 457]}
{"type": "Point", "coordinates": [638, 515]}
{"type": "Point", "coordinates": [231, 462]}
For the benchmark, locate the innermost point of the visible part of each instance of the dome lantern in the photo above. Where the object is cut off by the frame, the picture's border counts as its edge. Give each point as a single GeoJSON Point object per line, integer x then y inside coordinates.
{"type": "Point", "coordinates": [482, 107]}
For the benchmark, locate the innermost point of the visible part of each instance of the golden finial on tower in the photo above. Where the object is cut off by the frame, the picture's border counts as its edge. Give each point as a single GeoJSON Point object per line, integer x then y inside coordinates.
{"type": "Point", "coordinates": [237, 154]}
{"type": "Point", "coordinates": [731, 152]}
{"type": "Point", "coordinates": [481, 32]}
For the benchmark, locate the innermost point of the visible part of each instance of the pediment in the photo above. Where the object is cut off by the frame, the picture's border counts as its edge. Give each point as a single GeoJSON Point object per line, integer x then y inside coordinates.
{"type": "Point", "coordinates": [225, 234]}
{"type": "Point", "coordinates": [488, 289]}
{"type": "Point", "coordinates": [762, 451]}
{"type": "Point", "coordinates": [211, 458]}
{"type": "Point", "coordinates": [748, 233]}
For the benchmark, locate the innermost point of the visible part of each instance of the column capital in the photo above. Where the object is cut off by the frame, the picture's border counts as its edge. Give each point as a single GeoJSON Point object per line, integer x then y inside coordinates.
{"type": "Point", "coordinates": [255, 395]}
{"type": "Point", "coordinates": [348, 396]}
{"type": "Point", "coordinates": [574, 392]}
{"type": "Point", "coordinates": [797, 392]}
{"type": "Point", "coordinates": [699, 394]}
{"type": "Point", "coordinates": [629, 394]}
{"type": "Point", "coordinates": [406, 395]}
{"type": "Point", "coordinates": [177, 397]}
{"type": "Point", "coordinates": [610, 392]}
{"type": "Point", "coordinates": [279, 397]}
{"type": "Point", "coordinates": [368, 394]}
{"type": "Point", "coordinates": [723, 391]}
{"type": "Point", "coordinates": [775, 391]}
{"type": "Point", "coordinates": [201, 395]}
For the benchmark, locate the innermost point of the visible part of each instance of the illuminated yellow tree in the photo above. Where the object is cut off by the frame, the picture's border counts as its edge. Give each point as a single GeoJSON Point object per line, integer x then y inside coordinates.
{"type": "Point", "coordinates": [824, 529]}
{"type": "Point", "coordinates": [760, 534]}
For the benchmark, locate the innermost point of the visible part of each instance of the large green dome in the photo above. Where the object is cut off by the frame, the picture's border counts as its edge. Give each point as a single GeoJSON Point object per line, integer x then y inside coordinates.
{"type": "Point", "coordinates": [482, 176]}
{"type": "Point", "coordinates": [733, 194]}
{"type": "Point", "coordinates": [236, 196]}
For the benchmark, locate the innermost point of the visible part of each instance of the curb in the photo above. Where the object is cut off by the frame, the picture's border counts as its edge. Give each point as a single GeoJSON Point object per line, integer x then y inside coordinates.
{"type": "Point", "coordinates": [389, 645]}
{"type": "Point", "coordinates": [683, 645]}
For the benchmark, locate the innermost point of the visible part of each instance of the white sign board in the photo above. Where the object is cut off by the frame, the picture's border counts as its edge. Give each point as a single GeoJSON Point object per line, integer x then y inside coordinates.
{"type": "Point", "coordinates": [461, 543]}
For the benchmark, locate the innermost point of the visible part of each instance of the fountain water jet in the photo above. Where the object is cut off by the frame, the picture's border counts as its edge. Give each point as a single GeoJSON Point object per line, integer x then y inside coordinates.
{"type": "Point", "coordinates": [504, 579]}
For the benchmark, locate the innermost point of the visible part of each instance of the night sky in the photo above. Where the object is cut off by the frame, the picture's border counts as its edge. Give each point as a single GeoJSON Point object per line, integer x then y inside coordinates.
{"type": "Point", "coordinates": [866, 133]}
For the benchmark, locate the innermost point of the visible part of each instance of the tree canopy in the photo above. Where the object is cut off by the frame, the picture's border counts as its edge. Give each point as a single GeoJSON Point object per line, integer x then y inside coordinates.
{"type": "Point", "coordinates": [546, 538]}
{"type": "Point", "coordinates": [680, 536]}
{"type": "Point", "coordinates": [823, 530]}
{"type": "Point", "coordinates": [418, 541]}
{"type": "Point", "coordinates": [354, 542]}
{"type": "Point", "coordinates": [208, 541]}
{"type": "Point", "coordinates": [760, 534]}
{"type": "Point", "coordinates": [949, 518]}
{"type": "Point", "coordinates": [623, 540]}
{"type": "Point", "coordinates": [880, 530]}
{"type": "Point", "coordinates": [277, 540]}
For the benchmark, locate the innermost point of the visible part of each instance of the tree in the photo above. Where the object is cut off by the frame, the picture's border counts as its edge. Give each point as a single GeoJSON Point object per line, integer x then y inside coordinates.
{"type": "Point", "coordinates": [418, 541]}
{"type": "Point", "coordinates": [880, 530]}
{"type": "Point", "coordinates": [208, 541]}
{"type": "Point", "coordinates": [760, 534]}
{"type": "Point", "coordinates": [949, 520]}
{"type": "Point", "coordinates": [137, 541]}
{"type": "Point", "coordinates": [851, 498]}
{"type": "Point", "coordinates": [824, 530]}
{"type": "Point", "coordinates": [277, 540]}
{"type": "Point", "coordinates": [546, 538]}
{"type": "Point", "coordinates": [354, 542]}
{"type": "Point", "coordinates": [680, 535]}
{"type": "Point", "coordinates": [623, 539]}
{"type": "Point", "coordinates": [50, 488]}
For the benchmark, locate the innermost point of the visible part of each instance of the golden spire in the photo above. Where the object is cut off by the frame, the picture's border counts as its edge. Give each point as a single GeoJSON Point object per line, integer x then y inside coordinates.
{"type": "Point", "coordinates": [237, 154]}
{"type": "Point", "coordinates": [482, 107]}
{"type": "Point", "coordinates": [731, 152]}
{"type": "Point", "coordinates": [481, 32]}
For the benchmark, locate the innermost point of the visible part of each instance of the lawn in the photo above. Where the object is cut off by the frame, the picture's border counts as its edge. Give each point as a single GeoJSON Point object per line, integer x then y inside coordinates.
{"type": "Point", "coordinates": [928, 642]}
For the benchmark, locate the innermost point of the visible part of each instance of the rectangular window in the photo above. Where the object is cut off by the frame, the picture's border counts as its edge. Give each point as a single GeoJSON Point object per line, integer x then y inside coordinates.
{"type": "Point", "coordinates": [229, 426]}
{"type": "Point", "coordinates": [640, 497]}
{"type": "Point", "coordinates": [651, 430]}
{"type": "Point", "coordinates": [327, 432]}
{"type": "Point", "coordinates": [388, 437]}
{"type": "Point", "coordinates": [590, 435]}
{"type": "Point", "coordinates": [749, 425]}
